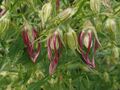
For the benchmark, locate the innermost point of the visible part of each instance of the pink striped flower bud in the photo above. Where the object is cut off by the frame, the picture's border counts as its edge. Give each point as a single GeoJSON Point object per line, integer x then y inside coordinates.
{"type": "Point", "coordinates": [54, 45]}
{"type": "Point", "coordinates": [33, 48]}
{"type": "Point", "coordinates": [85, 39]}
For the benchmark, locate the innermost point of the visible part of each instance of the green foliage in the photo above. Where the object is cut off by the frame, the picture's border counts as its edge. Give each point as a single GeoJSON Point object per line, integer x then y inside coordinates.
{"type": "Point", "coordinates": [17, 72]}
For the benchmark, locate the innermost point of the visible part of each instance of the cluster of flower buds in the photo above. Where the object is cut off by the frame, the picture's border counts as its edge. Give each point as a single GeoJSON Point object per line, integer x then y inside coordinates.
{"type": "Point", "coordinates": [87, 42]}
{"type": "Point", "coordinates": [54, 45]}
{"type": "Point", "coordinates": [29, 36]}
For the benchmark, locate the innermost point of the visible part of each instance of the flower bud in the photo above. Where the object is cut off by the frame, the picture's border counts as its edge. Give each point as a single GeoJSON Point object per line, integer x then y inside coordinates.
{"type": "Point", "coordinates": [88, 26]}
{"type": "Point", "coordinates": [4, 22]}
{"type": "Point", "coordinates": [71, 39]}
{"type": "Point", "coordinates": [115, 51]}
{"type": "Point", "coordinates": [95, 5]}
{"type": "Point", "coordinates": [53, 40]}
{"type": "Point", "coordinates": [67, 13]}
{"type": "Point", "coordinates": [110, 24]}
{"type": "Point", "coordinates": [54, 45]}
{"type": "Point", "coordinates": [29, 36]}
{"type": "Point", "coordinates": [45, 12]}
{"type": "Point", "coordinates": [85, 39]}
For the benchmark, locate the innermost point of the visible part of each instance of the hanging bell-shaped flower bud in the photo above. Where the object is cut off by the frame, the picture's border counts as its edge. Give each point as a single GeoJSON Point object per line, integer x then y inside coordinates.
{"type": "Point", "coordinates": [95, 5]}
{"type": "Point", "coordinates": [54, 45]}
{"type": "Point", "coordinates": [4, 20]}
{"type": "Point", "coordinates": [85, 39]}
{"type": "Point", "coordinates": [110, 24]}
{"type": "Point", "coordinates": [70, 39]}
{"type": "Point", "coordinates": [45, 13]}
{"type": "Point", "coordinates": [29, 36]}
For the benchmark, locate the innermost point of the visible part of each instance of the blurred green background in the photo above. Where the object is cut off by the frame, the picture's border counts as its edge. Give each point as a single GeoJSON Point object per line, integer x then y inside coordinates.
{"type": "Point", "coordinates": [17, 72]}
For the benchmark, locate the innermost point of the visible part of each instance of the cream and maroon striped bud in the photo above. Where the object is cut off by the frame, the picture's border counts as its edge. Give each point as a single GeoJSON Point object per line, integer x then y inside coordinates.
{"type": "Point", "coordinates": [29, 36]}
{"type": "Point", "coordinates": [54, 41]}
